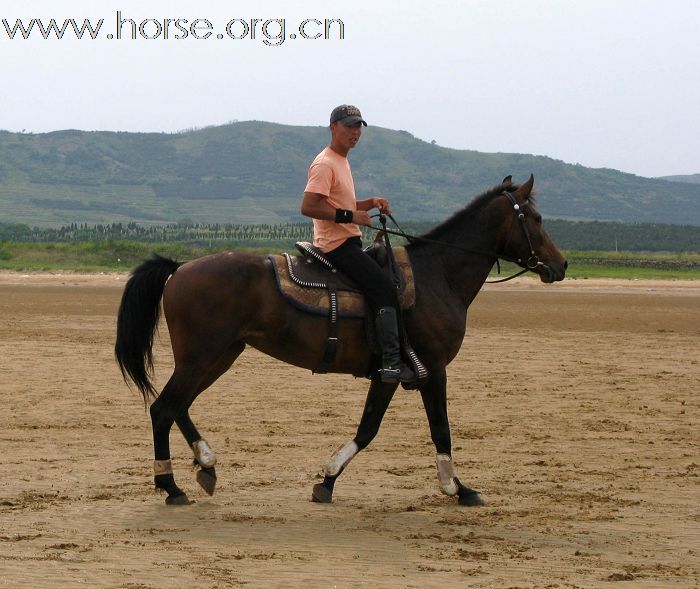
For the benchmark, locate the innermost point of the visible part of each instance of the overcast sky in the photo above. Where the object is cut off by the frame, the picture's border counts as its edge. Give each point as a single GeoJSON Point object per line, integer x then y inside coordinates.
{"type": "Point", "coordinates": [603, 83]}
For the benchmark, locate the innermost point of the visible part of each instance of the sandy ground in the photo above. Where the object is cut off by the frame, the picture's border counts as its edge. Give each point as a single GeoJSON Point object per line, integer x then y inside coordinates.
{"type": "Point", "coordinates": [574, 409]}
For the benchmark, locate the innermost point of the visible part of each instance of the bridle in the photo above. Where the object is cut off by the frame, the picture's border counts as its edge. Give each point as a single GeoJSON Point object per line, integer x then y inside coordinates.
{"type": "Point", "coordinates": [533, 261]}
{"type": "Point", "coordinates": [530, 265]}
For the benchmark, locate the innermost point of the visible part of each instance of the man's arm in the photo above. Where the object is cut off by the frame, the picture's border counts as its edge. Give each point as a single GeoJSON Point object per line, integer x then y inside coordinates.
{"type": "Point", "coordinates": [316, 206]}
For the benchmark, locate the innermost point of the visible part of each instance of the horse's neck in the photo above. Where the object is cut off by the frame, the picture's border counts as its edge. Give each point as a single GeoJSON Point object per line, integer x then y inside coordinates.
{"type": "Point", "coordinates": [466, 275]}
{"type": "Point", "coordinates": [462, 273]}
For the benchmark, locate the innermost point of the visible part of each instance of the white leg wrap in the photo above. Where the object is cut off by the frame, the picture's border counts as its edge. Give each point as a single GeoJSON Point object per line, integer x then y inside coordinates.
{"type": "Point", "coordinates": [446, 474]}
{"type": "Point", "coordinates": [203, 453]}
{"type": "Point", "coordinates": [162, 467]}
{"type": "Point", "coordinates": [340, 459]}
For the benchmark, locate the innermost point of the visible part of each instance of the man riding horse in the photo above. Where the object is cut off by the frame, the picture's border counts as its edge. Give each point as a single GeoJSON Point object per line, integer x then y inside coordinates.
{"type": "Point", "coordinates": [329, 199]}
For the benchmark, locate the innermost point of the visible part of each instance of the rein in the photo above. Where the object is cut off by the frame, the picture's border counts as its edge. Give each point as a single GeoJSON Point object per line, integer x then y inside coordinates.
{"type": "Point", "coordinates": [531, 264]}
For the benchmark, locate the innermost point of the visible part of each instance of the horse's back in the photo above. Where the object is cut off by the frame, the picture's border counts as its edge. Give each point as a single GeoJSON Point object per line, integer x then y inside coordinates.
{"type": "Point", "coordinates": [233, 297]}
{"type": "Point", "coordinates": [225, 290]}
{"type": "Point", "coordinates": [220, 274]}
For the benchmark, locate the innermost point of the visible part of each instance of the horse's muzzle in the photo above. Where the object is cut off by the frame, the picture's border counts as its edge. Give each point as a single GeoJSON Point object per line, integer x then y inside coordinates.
{"type": "Point", "coordinates": [552, 272]}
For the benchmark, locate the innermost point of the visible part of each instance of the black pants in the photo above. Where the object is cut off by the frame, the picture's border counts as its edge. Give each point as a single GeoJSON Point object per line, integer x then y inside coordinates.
{"type": "Point", "coordinates": [364, 271]}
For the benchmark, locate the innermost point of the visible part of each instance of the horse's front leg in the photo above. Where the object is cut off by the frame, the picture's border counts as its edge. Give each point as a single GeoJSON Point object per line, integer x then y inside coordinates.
{"type": "Point", "coordinates": [434, 395]}
{"type": "Point", "coordinates": [378, 399]}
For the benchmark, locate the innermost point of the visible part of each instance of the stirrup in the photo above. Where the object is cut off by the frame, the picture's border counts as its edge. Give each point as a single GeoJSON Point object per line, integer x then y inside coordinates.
{"type": "Point", "coordinates": [393, 375]}
{"type": "Point", "coordinates": [389, 374]}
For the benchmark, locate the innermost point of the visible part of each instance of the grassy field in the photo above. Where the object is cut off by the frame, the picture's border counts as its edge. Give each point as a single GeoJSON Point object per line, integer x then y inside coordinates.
{"type": "Point", "coordinates": [85, 256]}
{"type": "Point", "coordinates": [638, 265]}
{"type": "Point", "coordinates": [123, 256]}
{"type": "Point", "coordinates": [631, 272]}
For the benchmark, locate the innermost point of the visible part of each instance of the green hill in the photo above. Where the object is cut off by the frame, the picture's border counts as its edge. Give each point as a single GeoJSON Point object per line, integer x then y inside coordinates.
{"type": "Point", "coordinates": [255, 172]}
{"type": "Point", "coordinates": [689, 178]}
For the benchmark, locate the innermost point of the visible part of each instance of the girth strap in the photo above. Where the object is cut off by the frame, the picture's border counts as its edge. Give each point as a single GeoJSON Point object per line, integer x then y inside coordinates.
{"type": "Point", "coordinates": [418, 367]}
{"type": "Point", "coordinates": [332, 341]}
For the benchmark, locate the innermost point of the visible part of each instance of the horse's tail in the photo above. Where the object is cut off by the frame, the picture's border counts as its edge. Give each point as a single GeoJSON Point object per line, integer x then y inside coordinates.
{"type": "Point", "coordinates": [137, 321]}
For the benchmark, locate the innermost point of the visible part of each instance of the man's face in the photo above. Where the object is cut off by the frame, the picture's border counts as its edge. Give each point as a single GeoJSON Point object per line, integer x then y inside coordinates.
{"type": "Point", "coordinates": [346, 136]}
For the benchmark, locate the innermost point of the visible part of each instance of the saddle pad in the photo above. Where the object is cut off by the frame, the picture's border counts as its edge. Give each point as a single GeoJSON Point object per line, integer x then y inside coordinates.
{"type": "Point", "coordinates": [314, 297]}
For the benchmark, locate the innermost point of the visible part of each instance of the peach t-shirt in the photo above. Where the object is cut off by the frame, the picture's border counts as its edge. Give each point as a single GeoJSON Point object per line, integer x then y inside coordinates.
{"type": "Point", "coordinates": [330, 176]}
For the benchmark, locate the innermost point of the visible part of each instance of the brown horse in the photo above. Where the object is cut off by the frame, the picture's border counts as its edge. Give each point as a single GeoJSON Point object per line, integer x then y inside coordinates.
{"type": "Point", "coordinates": [216, 305]}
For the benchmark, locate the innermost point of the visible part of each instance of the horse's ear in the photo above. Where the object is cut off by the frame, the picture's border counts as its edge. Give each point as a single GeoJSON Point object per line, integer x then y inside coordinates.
{"type": "Point", "coordinates": [508, 180]}
{"type": "Point", "coordinates": [525, 189]}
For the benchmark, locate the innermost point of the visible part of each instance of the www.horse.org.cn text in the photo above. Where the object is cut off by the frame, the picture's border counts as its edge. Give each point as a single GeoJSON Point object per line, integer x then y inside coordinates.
{"type": "Point", "coordinates": [272, 32]}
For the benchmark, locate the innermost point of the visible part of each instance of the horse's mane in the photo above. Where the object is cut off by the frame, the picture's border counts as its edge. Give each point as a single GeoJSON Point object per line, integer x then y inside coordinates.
{"type": "Point", "coordinates": [471, 210]}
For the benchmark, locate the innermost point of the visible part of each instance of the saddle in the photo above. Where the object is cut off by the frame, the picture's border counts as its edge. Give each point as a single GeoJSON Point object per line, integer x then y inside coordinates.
{"type": "Point", "coordinates": [311, 283]}
{"type": "Point", "coordinates": [308, 281]}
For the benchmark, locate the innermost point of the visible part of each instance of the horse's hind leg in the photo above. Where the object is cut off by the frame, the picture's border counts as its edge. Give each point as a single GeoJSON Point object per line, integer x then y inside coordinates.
{"type": "Point", "coordinates": [434, 395]}
{"type": "Point", "coordinates": [204, 455]}
{"type": "Point", "coordinates": [175, 398]}
{"type": "Point", "coordinates": [378, 399]}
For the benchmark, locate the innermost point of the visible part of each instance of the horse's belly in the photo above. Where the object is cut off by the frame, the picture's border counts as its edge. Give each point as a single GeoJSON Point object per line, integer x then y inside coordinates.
{"type": "Point", "coordinates": [303, 342]}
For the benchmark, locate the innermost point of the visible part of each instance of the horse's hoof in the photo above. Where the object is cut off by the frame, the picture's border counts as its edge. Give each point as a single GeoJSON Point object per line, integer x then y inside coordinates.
{"type": "Point", "coordinates": [178, 500]}
{"type": "Point", "coordinates": [468, 497]}
{"type": "Point", "coordinates": [206, 477]}
{"type": "Point", "coordinates": [473, 499]}
{"type": "Point", "coordinates": [322, 494]}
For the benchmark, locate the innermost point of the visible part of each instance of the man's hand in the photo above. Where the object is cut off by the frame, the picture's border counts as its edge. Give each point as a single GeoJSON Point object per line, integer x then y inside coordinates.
{"type": "Point", "coordinates": [376, 202]}
{"type": "Point", "coordinates": [361, 218]}
{"type": "Point", "coordinates": [382, 204]}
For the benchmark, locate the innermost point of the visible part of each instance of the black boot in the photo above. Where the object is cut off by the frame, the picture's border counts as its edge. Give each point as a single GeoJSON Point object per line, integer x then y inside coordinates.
{"type": "Point", "coordinates": [393, 368]}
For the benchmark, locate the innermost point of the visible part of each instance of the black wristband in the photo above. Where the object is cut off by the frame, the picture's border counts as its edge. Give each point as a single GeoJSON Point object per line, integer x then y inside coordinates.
{"type": "Point", "coordinates": [343, 216]}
